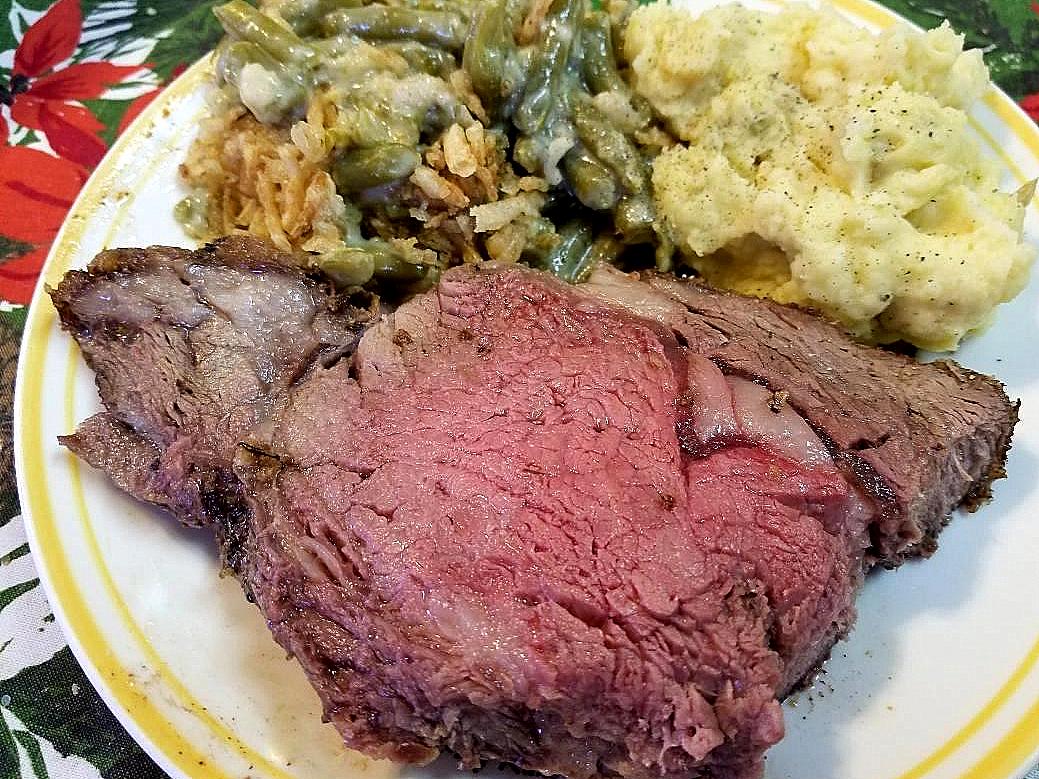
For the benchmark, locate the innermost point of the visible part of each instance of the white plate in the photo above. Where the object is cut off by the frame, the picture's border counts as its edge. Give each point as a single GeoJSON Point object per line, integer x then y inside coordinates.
{"type": "Point", "coordinates": [939, 679]}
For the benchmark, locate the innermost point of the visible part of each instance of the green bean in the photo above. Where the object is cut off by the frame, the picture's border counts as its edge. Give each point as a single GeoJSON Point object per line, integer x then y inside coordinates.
{"type": "Point", "coordinates": [244, 23]}
{"type": "Point", "coordinates": [374, 166]}
{"type": "Point", "coordinates": [599, 65]}
{"type": "Point", "coordinates": [353, 266]}
{"type": "Point", "coordinates": [365, 125]}
{"type": "Point", "coordinates": [598, 62]}
{"type": "Point", "coordinates": [380, 22]}
{"type": "Point", "coordinates": [398, 271]}
{"type": "Point", "coordinates": [305, 15]}
{"type": "Point", "coordinates": [611, 146]}
{"type": "Point", "coordinates": [574, 239]}
{"type": "Point", "coordinates": [591, 182]}
{"type": "Point", "coordinates": [235, 55]}
{"type": "Point", "coordinates": [293, 11]}
{"type": "Point", "coordinates": [540, 239]}
{"type": "Point", "coordinates": [423, 58]}
{"type": "Point", "coordinates": [193, 214]}
{"type": "Point", "coordinates": [461, 9]}
{"type": "Point", "coordinates": [633, 218]}
{"type": "Point", "coordinates": [518, 59]}
{"type": "Point", "coordinates": [544, 87]}
{"type": "Point", "coordinates": [525, 153]}
{"type": "Point", "coordinates": [486, 53]}
{"type": "Point", "coordinates": [275, 92]}
{"type": "Point", "coordinates": [387, 261]}
{"type": "Point", "coordinates": [348, 266]}
{"type": "Point", "coordinates": [390, 266]}
{"type": "Point", "coordinates": [603, 251]}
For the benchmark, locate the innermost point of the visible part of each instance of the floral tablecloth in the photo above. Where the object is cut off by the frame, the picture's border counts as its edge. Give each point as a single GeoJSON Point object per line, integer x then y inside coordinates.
{"type": "Point", "coordinates": [73, 75]}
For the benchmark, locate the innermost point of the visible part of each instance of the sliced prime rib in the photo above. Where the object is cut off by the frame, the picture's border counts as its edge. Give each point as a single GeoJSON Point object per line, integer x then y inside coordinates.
{"type": "Point", "coordinates": [920, 439]}
{"type": "Point", "coordinates": [594, 531]}
{"type": "Point", "coordinates": [190, 350]}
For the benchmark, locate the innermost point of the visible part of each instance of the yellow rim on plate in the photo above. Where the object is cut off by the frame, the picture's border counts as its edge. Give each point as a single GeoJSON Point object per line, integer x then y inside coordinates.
{"type": "Point", "coordinates": [1022, 742]}
{"type": "Point", "coordinates": [141, 715]}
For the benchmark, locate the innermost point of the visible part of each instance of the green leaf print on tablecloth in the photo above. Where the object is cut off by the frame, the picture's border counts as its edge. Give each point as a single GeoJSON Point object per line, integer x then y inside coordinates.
{"type": "Point", "coordinates": [32, 748]}
{"type": "Point", "coordinates": [8, 594]}
{"type": "Point", "coordinates": [181, 28]}
{"type": "Point", "coordinates": [55, 704]}
{"type": "Point", "coordinates": [12, 248]}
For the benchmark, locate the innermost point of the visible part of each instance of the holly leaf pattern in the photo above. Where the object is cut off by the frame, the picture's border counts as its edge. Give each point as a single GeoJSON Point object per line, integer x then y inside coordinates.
{"type": "Point", "coordinates": [1014, 16]}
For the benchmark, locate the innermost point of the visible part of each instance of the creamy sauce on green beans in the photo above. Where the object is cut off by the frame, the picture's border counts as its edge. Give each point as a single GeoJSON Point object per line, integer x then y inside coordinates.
{"type": "Point", "coordinates": [540, 80]}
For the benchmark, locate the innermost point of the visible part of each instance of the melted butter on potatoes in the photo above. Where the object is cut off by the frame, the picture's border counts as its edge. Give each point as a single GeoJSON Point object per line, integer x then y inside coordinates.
{"type": "Point", "coordinates": [827, 166]}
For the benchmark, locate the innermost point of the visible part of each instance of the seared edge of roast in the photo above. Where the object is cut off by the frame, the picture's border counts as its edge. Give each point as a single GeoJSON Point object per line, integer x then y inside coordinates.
{"type": "Point", "coordinates": [189, 350]}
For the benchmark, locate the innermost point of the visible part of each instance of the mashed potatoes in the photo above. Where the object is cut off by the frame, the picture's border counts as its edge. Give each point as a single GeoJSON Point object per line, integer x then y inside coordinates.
{"type": "Point", "coordinates": [830, 167]}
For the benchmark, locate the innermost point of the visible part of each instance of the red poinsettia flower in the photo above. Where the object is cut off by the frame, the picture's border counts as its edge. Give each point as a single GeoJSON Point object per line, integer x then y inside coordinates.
{"type": "Point", "coordinates": [1031, 105]}
{"type": "Point", "coordinates": [36, 191]}
{"type": "Point", "coordinates": [37, 188]}
{"type": "Point", "coordinates": [46, 98]}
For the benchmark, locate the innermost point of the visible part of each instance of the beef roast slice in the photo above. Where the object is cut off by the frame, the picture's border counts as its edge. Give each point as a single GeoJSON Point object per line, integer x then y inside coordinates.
{"type": "Point", "coordinates": [527, 525]}
{"type": "Point", "coordinates": [524, 523]}
{"type": "Point", "coordinates": [920, 438]}
{"type": "Point", "coordinates": [190, 349]}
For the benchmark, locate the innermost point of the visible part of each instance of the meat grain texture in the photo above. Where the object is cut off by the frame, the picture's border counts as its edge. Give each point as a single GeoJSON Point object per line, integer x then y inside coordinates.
{"type": "Point", "coordinates": [594, 531]}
